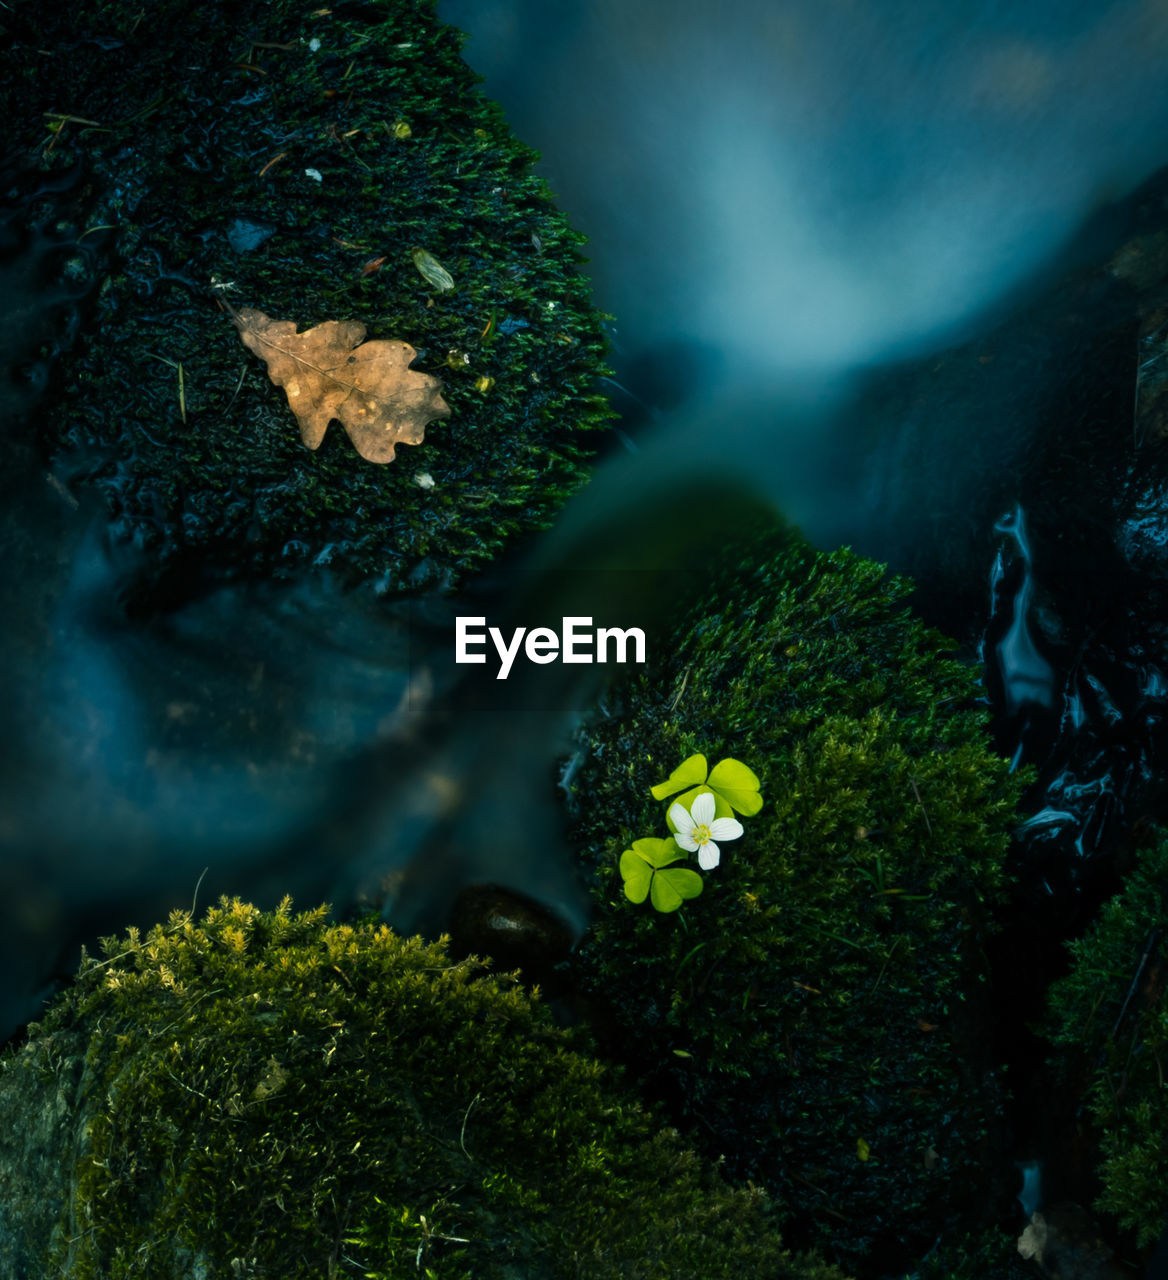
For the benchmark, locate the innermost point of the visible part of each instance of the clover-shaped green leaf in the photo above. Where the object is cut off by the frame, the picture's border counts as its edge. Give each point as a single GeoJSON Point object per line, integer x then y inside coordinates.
{"type": "Point", "coordinates": [687, 774]}
{"type": "Point", "coordinates": [735, 787]}
{"type": "Point", "coordinates": [672, 886]}
{"type": "Point", "coordinates": [647, 872]}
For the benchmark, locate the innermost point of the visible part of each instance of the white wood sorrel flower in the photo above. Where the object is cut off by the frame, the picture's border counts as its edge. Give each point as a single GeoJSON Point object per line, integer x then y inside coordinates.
{"type": "Point", "coordinates": [697, 829]}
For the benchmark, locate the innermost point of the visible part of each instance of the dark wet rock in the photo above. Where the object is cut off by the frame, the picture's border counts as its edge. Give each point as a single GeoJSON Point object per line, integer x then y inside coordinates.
{"type": "Point", "coordinates": [513, 930]}
{"type": "Point", "coordinates": [273, 157]}
{"type": "Point", "coordinates": [1142, 260]}
{"type": "Point", "coordinates": [47, 278]}
{"type": "Point", "coordinates": [1151, 406]}
{"type": "Point", "coordinates": [1059, 504]}
{"type": "Point", "coordinates": [42, 1134]}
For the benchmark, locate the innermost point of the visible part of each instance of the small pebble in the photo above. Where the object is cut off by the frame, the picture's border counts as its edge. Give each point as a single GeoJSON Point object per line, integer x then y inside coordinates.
{"type": "Point", "coordinates": [514, 930]}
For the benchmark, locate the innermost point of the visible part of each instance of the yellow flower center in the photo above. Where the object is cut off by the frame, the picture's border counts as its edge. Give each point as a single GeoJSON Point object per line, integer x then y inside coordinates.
{"type": "Point", "coordinates": [701, 834]}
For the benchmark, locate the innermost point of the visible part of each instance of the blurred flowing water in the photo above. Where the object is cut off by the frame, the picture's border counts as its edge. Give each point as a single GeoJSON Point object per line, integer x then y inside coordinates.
{"type": "Point", "coordinates": [788, 207]}
{"type": "Point", "coordinates": [796, 212]}
{"type": "Point", "coordinates": [815, 186]}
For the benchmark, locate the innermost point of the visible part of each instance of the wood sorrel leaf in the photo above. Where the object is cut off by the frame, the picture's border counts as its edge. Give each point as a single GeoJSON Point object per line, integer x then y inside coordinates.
{"type": "Point", "coordinates": [637, 875]}
{"type": "Point", "coordinates": [737, 785]}
{"type": "Point", "coordinates": [648, 872]}
{"type": "Point", "coordinates": [673, 885]}
{"type": "Point", "coordinates": [687, 774]}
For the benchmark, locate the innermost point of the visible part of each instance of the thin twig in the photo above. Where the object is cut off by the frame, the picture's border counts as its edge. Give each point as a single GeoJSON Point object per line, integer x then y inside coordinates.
{"type": "Point", "coordinates": [197, 1092]}
{"type": "Point", "coordinates": [274, 160]}
{"type": "Point", "coordinates": [822, 1208]}
{"type": "Point", "coordinates": [1152, 938]}
{"type": "Point", "coordinates": [60, 115]}
{"type": "Point", "coordinates": [884, 967]}
{"type": "Point", "coordinates": [924, 811]}
{"type": "Point", "coordinates": [195, 899]}
{"type": "Point", "coordinates": [242, 375]}
{"type": "Point", "coordinates": [465, 1118]}
{"type": "Point", "coordinates": [215, 991]}
{"type": "Point", "coordinates": [56, 485]}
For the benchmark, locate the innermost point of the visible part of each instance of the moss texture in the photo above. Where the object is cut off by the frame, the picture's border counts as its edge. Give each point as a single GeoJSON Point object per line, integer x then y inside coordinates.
{"type": "Point", "coordinates": [1111, 1017]}
{"type": "Point", "coordinates": [809, 1015]}
{"type": "Point", "coordinates": [264, 1094]}
{"type": "Point", "coordinates": [989, 1253]}
{"type": "Point", "coordinates": [203, 130]}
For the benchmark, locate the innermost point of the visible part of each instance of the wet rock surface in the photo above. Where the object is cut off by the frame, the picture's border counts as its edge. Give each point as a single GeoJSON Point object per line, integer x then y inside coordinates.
{"type": "Point", "coordinates": [1026, 489]}
{"type": "Point", "coordinates": [192, 680]}
{"type": "Point", "coordinates": [1020, 478]}
{"type": "Point", "coordinates": [42, 1134]}
{"type": "Point", "coordinates": [302, 164]}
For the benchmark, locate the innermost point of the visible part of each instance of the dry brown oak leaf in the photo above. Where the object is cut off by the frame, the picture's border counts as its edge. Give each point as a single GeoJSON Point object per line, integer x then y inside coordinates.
{"type": "Point", "coordinates": [330, 372]}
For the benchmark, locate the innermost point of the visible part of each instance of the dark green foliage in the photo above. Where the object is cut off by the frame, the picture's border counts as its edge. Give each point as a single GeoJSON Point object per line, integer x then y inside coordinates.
{"type": "Point", "coordinates": [818, 992]}
{"type": "Point", "coordinates": [988, 1254]}
{"type": "Point", "coordinates": [1111, 1016]}
{"type": "Point", "coordinates": [273, 1096]}
{"type": "Point", "coordinates": [208, 123]}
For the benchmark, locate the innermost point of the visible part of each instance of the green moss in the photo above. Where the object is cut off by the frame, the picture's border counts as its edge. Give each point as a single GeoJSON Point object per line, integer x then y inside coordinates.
{"type": "Point", "coordinates": [211, 115]}
{"type": "Point", "coordinates": [269, 1095]}
{"type": "Point", "coordinates": [986, 1254]}
{"type": "Point", "coordinates": [1111, 1016]}
{"type": "Point", "coordinates": [819, 992]}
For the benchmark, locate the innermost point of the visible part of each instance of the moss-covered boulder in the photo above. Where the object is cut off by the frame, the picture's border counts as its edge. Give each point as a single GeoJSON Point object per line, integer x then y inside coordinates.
{"type": "Point", "coordinates": [264, 1094]}
{"type": "Point", "coordinates": [811, 1015]}
{"type": "Point", "coordinates": [986, 1253]}
{"type": "Point", "coordinates": [316, 163]}
{"type": "Point", "coordinates": [1110, 1016]}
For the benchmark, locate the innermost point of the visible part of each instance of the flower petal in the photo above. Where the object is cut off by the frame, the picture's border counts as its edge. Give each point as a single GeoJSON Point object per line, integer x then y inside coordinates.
{"type": "Point", "coordinates": [709, 857]}
{"type": "Point", "coordinates": [679, 816]}
{"type": "Point", "coordinates": [703, 809]}
{"type": "Point", "coordinates": [726, 828]}
{"type": "Point", "coordinates": [687, 842]}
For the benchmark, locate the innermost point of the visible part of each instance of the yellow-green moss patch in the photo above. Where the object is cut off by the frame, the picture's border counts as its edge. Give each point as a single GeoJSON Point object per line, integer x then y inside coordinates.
{"type": "Point", "coordinates": [270, 1095]}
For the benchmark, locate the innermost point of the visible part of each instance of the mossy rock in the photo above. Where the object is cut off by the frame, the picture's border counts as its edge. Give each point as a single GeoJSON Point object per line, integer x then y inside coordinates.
{"type": "Point", "coordinates": [810, 1016]}
{"type": "Point", "coordinates": [266, 1094]}
{"type": "Point", "coordinates": [988, 1253]}
{"type": "Point", "coordinates": [292, 160]}
{"type": "Point", "coordinates": [1111, 1017]}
